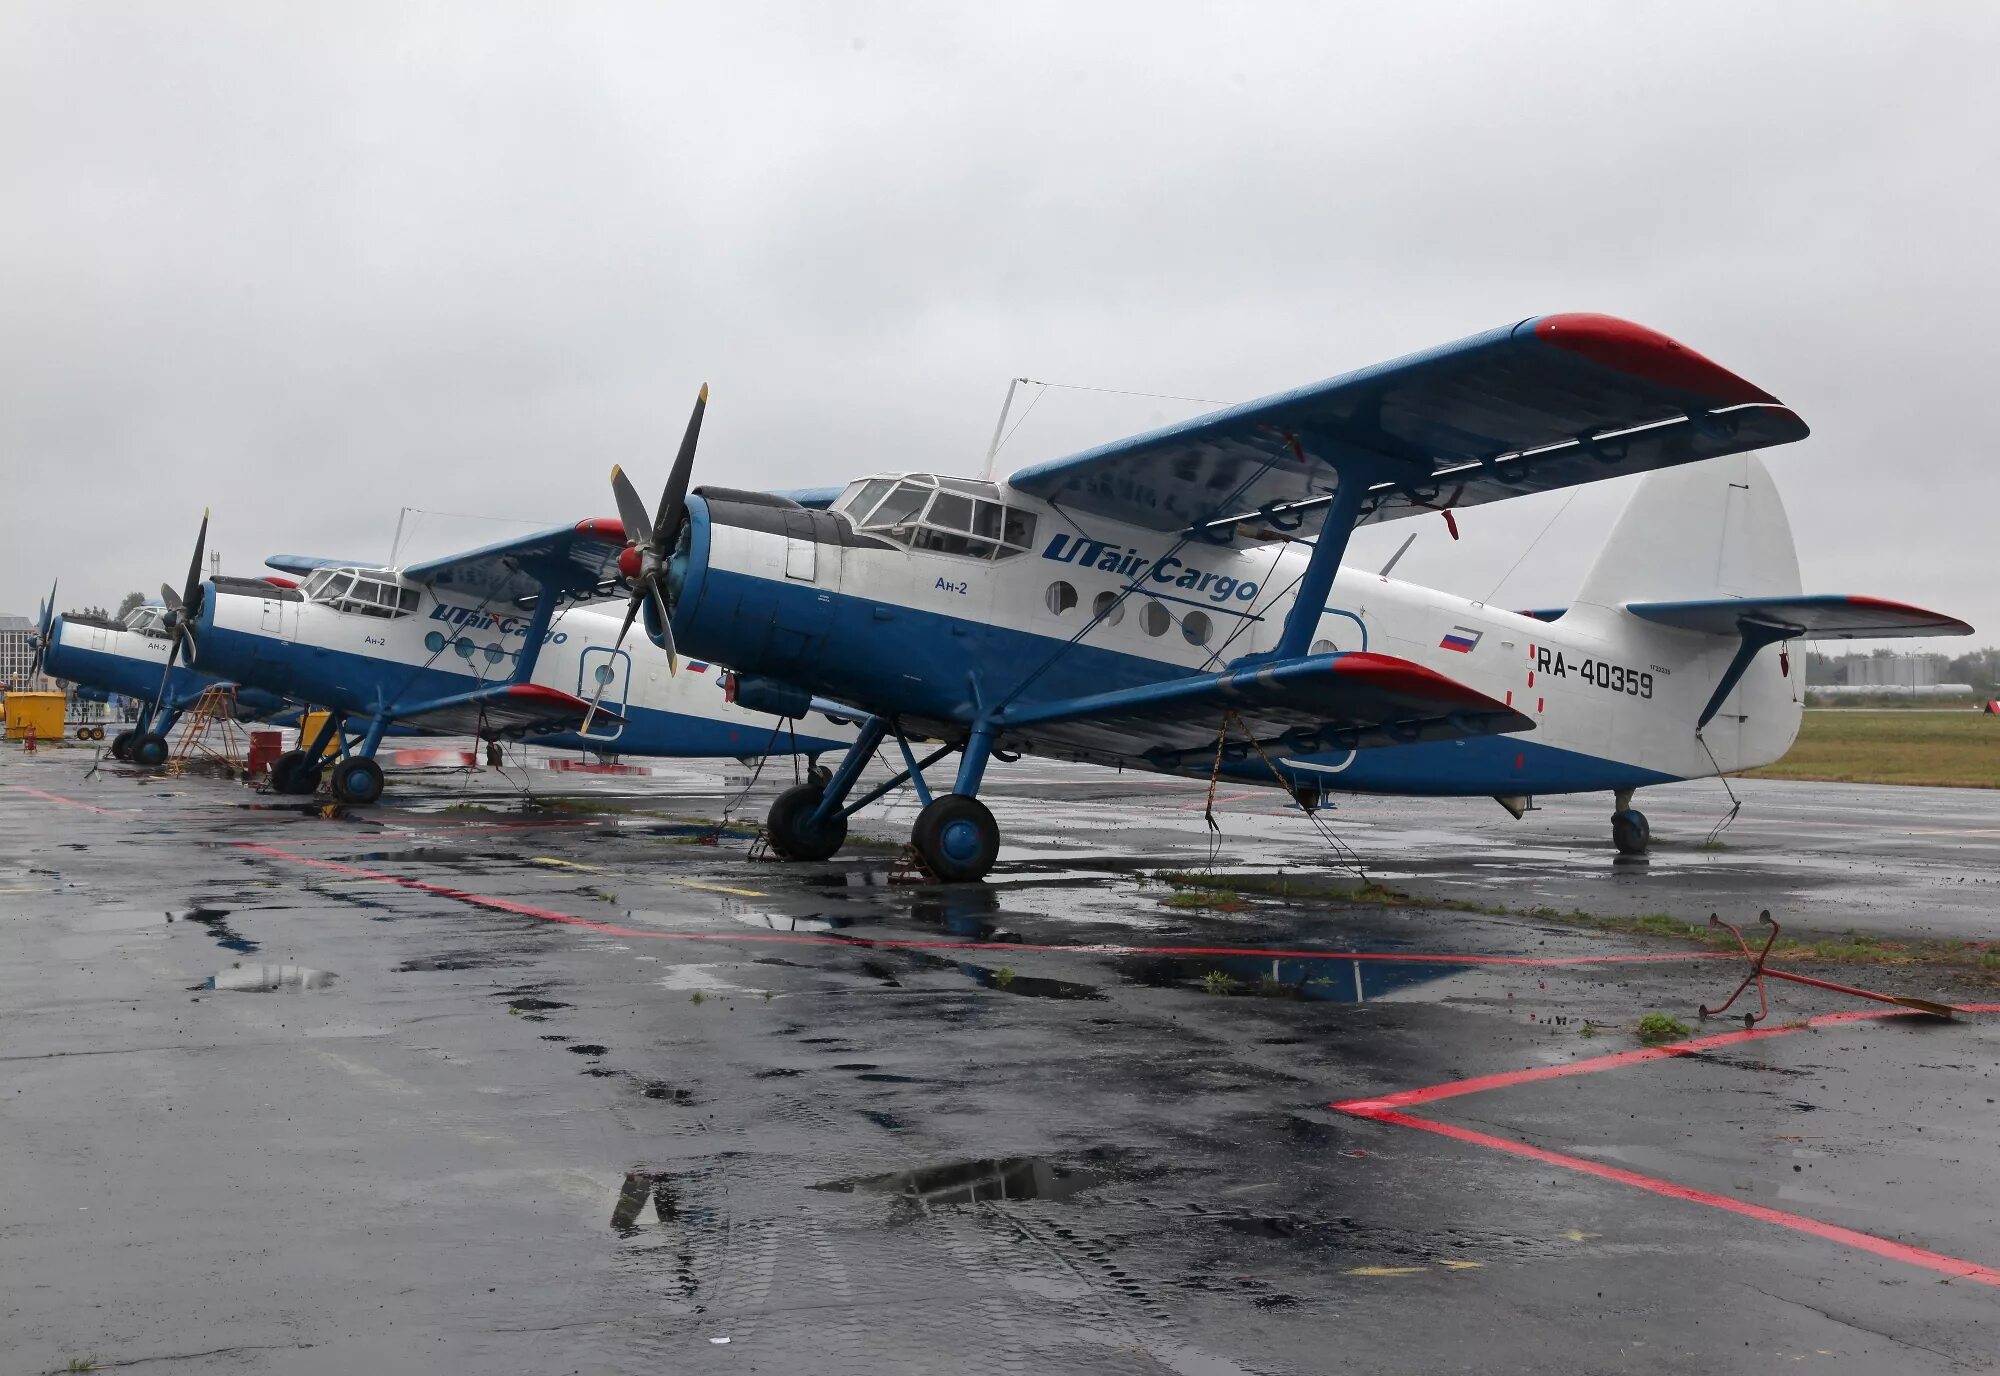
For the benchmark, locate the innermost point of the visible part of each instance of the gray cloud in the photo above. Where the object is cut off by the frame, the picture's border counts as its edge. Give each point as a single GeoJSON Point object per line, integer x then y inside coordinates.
{"type": "Point", "coordinates": [308, 265]}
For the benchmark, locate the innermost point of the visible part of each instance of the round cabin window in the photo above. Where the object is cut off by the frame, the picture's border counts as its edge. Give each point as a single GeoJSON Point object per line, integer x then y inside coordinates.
{"type": "Point", "coordinates": [1108, 609]}
{"type": "Point", "coordinates": [603, 674]}
{"type": "Point", "coordinates": [494, 654]}
{"type": "Point", "coordinates": [1154, 618]}
{"type": "Point", "coordinates": [1324, 647]}
{"type": "Point", "coordinates": [464, 646]}
{"type": "Point", "coordinates": [1061, 597]}
{"type": "Point", "coordinates": [435, 642]}
{"type": "Point", "coordinates": [1196, 627]}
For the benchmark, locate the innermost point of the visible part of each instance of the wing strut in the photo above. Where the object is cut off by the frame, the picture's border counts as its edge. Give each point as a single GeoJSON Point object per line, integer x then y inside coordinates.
{"type": "Point", "coordinates": [1317, 582]}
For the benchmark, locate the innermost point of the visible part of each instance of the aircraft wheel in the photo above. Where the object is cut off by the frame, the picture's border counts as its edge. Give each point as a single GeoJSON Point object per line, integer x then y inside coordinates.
{"type": "Point", "coordinates": [149, 751]}
{"type": "Point", "coordinates": [792, 837]}
{"type": "Point", "coordinates": [121, 745]}
{"type": "Point", "coordinates": [292, 773]}
{"type": "Point", "coordinates": [957, 838]}
{"type": "Point", "coordinates": [1630, 831]}
{"type": "Point", "coordinates": [357, 780]}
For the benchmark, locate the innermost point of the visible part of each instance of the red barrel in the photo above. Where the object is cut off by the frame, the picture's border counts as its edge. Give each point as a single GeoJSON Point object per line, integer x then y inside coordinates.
{"type": "Point", "coordinates": [265, 746]}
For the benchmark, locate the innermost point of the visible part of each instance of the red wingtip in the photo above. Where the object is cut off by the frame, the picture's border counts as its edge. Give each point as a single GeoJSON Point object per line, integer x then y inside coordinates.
{"type": "Point", "coordinates": [1407, 676]}
{"type": "Point", "coordinates": [604, 527]}
{"type": "Point", "coordinates": [1642, 353]}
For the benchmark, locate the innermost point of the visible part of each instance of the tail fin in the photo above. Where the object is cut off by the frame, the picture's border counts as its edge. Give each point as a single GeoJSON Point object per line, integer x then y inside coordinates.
{"type": "Point", "coordinates": [1698, 530]}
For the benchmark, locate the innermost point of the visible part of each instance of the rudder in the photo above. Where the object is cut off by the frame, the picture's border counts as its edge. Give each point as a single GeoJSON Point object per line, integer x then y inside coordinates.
{"type": "Point", "coordinates": [1698, 530]}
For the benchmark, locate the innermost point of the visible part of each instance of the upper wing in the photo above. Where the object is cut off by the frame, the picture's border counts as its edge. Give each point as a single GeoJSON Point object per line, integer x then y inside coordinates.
{"type": "Point", "coordinates": [580, 560]}
{"type": "Point", "coordinates": [1550, 402]}
{"type": "Point", "coordinates": [506, 709]}
{"type": "Point", "coordinates": [1826, 616]}
{"type": "Point", "coordinates": [1322, 702]}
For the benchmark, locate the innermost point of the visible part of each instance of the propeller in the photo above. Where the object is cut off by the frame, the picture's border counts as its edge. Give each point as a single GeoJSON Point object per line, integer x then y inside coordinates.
{"type": "Point", "coordinates": [45, 625]}
{"type": "Point", "coordinates": [649, 544]}
{"type": "Point", "coordinates": [182, 609]}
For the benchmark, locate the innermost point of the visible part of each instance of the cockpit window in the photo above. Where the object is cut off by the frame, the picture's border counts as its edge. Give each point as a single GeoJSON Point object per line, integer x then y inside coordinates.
{"type": "Point", "coordinates": [363, 592]}
{"type": "Point", "coordinates": [147, 621]}
{"type": "Point", "coordinates": [958, 516]}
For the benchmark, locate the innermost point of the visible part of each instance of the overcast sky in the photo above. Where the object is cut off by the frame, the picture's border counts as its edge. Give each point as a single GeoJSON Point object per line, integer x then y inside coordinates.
{"type": "Point", "coordinates": [309, 265]}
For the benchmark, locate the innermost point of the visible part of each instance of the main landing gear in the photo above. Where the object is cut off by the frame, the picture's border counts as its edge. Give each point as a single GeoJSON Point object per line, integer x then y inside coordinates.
{"type": "Point", "coordinates": [1630, 831]}
{"type": "Point", "coordinates": [356, 777]}
{"type": "Point", "coordinates": [955, 835]}
{"type": "Point", "coordinates": [146, 743]}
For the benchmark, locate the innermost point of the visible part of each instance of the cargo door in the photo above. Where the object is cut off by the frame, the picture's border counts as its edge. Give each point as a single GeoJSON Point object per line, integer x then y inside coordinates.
{"type": "Point", "coordinates": [604, 676]}
{"type": "Point", "coordinates": [280, 618]}
{"type": "Point", "coordinates": [801, 553]}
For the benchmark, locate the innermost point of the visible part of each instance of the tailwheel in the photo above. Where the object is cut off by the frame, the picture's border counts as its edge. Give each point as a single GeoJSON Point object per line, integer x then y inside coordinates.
{"type": "Point", "coordinates": [121, 745]}
{"type": "Point", "coordinates": [149, 750]}
{"type": "Point", "coordinates": [793, 834]}
{"type": "Point", "coordinates": [357, 780]}
{"type": "Point", "coordinates": [292, 772]}
{"type": "Point", "coordinates": [957, 838]}
{"type": "Point", "coordinates": [1630, 831]}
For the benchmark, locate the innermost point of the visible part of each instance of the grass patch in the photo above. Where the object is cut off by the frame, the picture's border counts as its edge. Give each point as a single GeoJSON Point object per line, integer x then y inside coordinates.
{"type": "Point", "coordinates": [1225, 891]}
{"type": "Point", "coordinates": [1218, 982]}
{"type": "Point", "coordinates": [1941, 749]}
{"type": "Point", "coordinates": [1661, 1027]}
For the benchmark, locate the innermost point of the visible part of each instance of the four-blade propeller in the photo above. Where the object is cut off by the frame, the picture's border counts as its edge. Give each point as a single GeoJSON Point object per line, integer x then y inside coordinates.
{"type": "Point", "coordinates": [45, 625]}
{"type": "Point", "coordinates": [182, 609]}
{"type": "Point", "coordinates": [649, 545]}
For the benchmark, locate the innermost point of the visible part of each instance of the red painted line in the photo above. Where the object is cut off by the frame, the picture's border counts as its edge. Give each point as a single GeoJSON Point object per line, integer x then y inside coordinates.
{"type": "Point", "coordinates": [68, 802]}
{"type": "Point", "coordinates": [508, 905]}
{"type": "Point", "coordinates": [1866, 1242]}
{"type": "Point", "coordinates": [1507, 1079]}
{"type": "Point", "coordinates": [1386, 1109]}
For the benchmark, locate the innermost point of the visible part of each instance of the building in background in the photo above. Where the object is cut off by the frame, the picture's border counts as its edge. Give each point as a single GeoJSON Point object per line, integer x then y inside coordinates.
{"type": "Point", "coordinates": [17, 651]}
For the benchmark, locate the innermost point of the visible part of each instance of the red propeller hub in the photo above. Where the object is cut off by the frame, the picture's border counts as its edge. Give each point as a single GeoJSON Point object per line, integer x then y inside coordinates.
{"type": "Point", "coordinates": [629, 562]}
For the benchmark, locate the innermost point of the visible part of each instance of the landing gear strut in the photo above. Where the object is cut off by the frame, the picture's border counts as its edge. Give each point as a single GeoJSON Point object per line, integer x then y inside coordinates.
{"type": "Point", "coordinates": [1630, 831]}
{"type": "Point", "coordinates": [955, 835]}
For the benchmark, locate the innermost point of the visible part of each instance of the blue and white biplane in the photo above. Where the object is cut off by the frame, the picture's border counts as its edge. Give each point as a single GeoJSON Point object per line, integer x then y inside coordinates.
{"type": "Point", "coordinates": [491, 643]}
{"type": "Point", "coordinates": [1176, 601]}
{"type": "Point", "coordinates": [137, 658]}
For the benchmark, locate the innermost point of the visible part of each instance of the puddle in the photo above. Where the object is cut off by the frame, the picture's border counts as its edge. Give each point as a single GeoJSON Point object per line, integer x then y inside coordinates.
{"type": "Point", "coordinates": [260, 979]}
{"type": "Point", "coordinates": [1330, 979]}
{"type": "Point", "coordinates": [660, 1089]}
{"type": "Point", "coordinates": [534, 1005]}
{"type": "Point", "coordinates": [969, 1182]}
{"type": "Point", "coordinates": [640, 1189]}
{"type": "Point", "coordinates": [588, 1049]}
{"type": "Point", "coordinates": [1028, 986]}
{"type": "Point", "coordinates": [217, 922]}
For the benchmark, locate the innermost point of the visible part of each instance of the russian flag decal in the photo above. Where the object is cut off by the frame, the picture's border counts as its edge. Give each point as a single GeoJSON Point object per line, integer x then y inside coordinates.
{"type": "Point", "coordinates": [1461, 639]}
{"type": "Point", "coordinates": [696, 666]}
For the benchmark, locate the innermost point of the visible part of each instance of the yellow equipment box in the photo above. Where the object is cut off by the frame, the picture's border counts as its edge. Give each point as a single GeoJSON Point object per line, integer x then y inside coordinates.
{"type": "Point", "coordinates": [43, 712]}
{"type": "Point", "coordinates": [310, 723]}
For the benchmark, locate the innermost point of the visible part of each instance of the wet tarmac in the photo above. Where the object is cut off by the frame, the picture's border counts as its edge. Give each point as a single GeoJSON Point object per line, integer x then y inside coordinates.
{"type": "Point", "coordinates": [456, 1085]}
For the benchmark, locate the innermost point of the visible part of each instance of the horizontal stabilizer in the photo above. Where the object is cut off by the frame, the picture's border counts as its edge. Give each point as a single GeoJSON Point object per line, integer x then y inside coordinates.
{"type": "Point", "coordinates": [1826, 616]}
{"type": "Point", "coordinates": [1317, 703]}
{"type": "Point", "coordinates": [507, 709]}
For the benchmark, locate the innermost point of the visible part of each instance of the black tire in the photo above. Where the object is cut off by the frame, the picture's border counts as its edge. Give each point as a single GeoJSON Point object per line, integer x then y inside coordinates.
{"type": "Point", "coordinates": [790, 836]}
{"type": "Point", "coordinates": [149, 751]}
{"type": "Point", "coordinates": [357, 781]}
{"type": "Point", "coordinates": [1630, 831]}
{"type": "Point", "coordinates": [957, 838]}
{"type": "Point", "coordinates": [291, 772]}
{"type": "Point", "coordinates": [121, 745]}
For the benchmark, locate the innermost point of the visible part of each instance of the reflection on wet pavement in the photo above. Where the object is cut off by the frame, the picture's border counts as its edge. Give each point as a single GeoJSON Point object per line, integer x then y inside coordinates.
{"type": "Point", "coordinates": [216, 920]}
{"type": "Point", "coordinates": [262, 979]}
{"type": "Point", "coordinates": [969, 1182]}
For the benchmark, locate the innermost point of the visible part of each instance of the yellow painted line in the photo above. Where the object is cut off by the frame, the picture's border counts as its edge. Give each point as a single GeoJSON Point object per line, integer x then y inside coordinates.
{"type": "Point", "coordinates": [1384, 1271]}
{"type": "Point", "coordinates": [721, 888]}
{"type": "Point", "coordinates": [566, 864]}
{"type": "Point", "coordinates": [25, 891]}
{"type": "Point", "coordinates": [1574, 1236]}
{"type": "Point", "coordinates": [1461, 1265]}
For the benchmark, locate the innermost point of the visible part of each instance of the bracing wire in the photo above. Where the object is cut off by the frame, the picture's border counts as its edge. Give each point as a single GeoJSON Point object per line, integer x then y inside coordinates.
{"type": "Point", "coordinates": [1735, 803]}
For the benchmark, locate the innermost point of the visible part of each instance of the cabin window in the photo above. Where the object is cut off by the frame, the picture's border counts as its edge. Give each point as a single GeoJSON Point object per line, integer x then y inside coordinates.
{"type": "Point", "coordinates": [494, 654]}
{"type": "Point", "coordinates": [1108, 609]}
{"type": "Point", "coordinates": [365, 594]}
{"type": "Point", "coordinates": [1196, 627]}
{"type": "Point", "coordinates": [1154, 618]}
{"type": "Point", "coordinates": [1323, 647]}
{"type": "Point", "coordinates": [940, 516]}
{"type": "Point", "coordinates": [1060, 597]}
